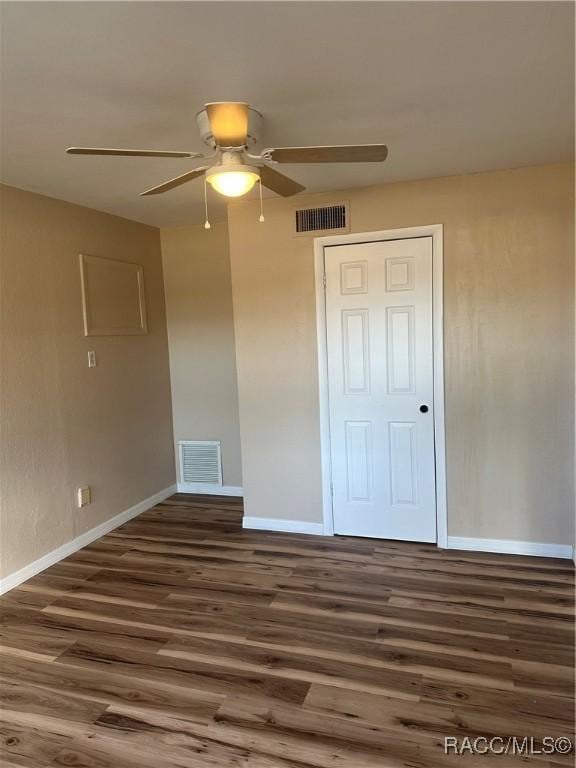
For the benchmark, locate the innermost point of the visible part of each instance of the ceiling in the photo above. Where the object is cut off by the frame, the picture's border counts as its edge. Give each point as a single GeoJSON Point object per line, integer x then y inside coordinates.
{"type": "Point", "coordinates": [451, 87]}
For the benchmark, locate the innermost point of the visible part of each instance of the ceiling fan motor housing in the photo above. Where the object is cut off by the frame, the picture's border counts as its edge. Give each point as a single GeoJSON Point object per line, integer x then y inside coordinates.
{"type": "Point", "coordinates": [254, 127]}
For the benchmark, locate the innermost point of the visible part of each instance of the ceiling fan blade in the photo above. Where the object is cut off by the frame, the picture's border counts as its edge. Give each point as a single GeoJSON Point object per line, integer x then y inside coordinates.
{"type": "Point", "coordinates": [129, 152]}
{"type": "Point", "coordinates": [175, 182]}
{"type": "Point", "coordinates": [228, 123]}
{"type": "Point", "coordinates": [360, 153]}
{"type": "Point", "coordinates": [279, 183]}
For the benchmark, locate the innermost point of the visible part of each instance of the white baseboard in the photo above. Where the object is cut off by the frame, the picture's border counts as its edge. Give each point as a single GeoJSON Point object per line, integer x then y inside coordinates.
{"type": "Point", "coordinates": [212, 490]}
{"type": "Point", "coordinates": [511, 547]}
{"type": "Point", "coordinates": [286, 526]}
{"type": "Point", "coordinates": [18, 577]}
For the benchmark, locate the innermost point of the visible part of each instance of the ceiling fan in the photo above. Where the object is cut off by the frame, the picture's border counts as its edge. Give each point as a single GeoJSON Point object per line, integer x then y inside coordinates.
{"type": "Point", "coordinates": [229, 127]}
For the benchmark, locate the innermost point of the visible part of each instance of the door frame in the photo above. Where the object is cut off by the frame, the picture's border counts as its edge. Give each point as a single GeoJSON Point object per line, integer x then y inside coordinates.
{"type": "Point", "coordinates": [435, 231]}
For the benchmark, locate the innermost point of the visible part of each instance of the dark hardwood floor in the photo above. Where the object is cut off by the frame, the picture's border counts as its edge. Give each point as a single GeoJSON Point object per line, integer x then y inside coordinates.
{"type": "Point", "coordinates": [182, 641]}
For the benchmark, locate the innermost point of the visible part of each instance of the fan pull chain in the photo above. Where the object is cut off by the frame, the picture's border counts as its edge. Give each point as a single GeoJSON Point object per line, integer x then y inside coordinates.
{"type": "Point", "coordinates": [206, 223]}
{"type": "Point", "coordinates": [261, 219]}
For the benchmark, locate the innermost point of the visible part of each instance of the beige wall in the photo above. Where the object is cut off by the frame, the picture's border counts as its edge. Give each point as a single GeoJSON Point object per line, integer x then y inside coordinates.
{"type": "Point", "coordinates": [509, 351]}
{"type": "Point", "coordinates": [64, 425]}
{"type": "Point", "coordinates": [201, 339]}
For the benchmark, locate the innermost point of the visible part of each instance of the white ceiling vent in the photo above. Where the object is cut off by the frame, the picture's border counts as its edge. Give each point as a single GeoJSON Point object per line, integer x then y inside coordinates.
{"type": "Point", "coordinates": [328, 218]}
{"type": "Point", "coordinates": [200, 462]}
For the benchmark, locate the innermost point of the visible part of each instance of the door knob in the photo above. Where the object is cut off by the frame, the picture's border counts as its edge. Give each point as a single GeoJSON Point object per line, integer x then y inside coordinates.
{"type": "Point", "coordinates": [423, 409]}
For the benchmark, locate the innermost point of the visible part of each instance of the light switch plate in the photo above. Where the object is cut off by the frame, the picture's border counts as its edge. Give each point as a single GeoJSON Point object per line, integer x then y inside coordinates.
{"type": "Point", "coordinates": [84, 496]}
{"type": "Point", "coordinates": [92, 359]}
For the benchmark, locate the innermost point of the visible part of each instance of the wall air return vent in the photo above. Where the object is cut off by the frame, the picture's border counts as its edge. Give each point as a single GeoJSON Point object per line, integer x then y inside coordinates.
{"type": "Point", "coordinates": [200, 462]}
{"type": "Point", "coordinates": [328, 218]}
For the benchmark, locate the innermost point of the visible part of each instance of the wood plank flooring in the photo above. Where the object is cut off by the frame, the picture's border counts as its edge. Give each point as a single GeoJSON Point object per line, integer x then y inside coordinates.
{"type": "Point", "coordinates": [182, 641]}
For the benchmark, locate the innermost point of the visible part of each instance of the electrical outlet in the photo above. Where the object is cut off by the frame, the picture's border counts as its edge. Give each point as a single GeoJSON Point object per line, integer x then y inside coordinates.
{"type": "Point", "coordinates": [92, 359]}
{"type": "Point", "coordinates": [84, 496]}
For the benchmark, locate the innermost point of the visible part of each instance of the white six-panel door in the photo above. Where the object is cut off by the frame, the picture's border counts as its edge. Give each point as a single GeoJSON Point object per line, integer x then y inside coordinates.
{"type": "Point", "coordinates": [380, 378]}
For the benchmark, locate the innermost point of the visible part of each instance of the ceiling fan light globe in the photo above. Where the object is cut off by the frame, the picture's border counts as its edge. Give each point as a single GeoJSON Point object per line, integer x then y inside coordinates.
{"type": "Point", "coordinates": [232, 182]}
